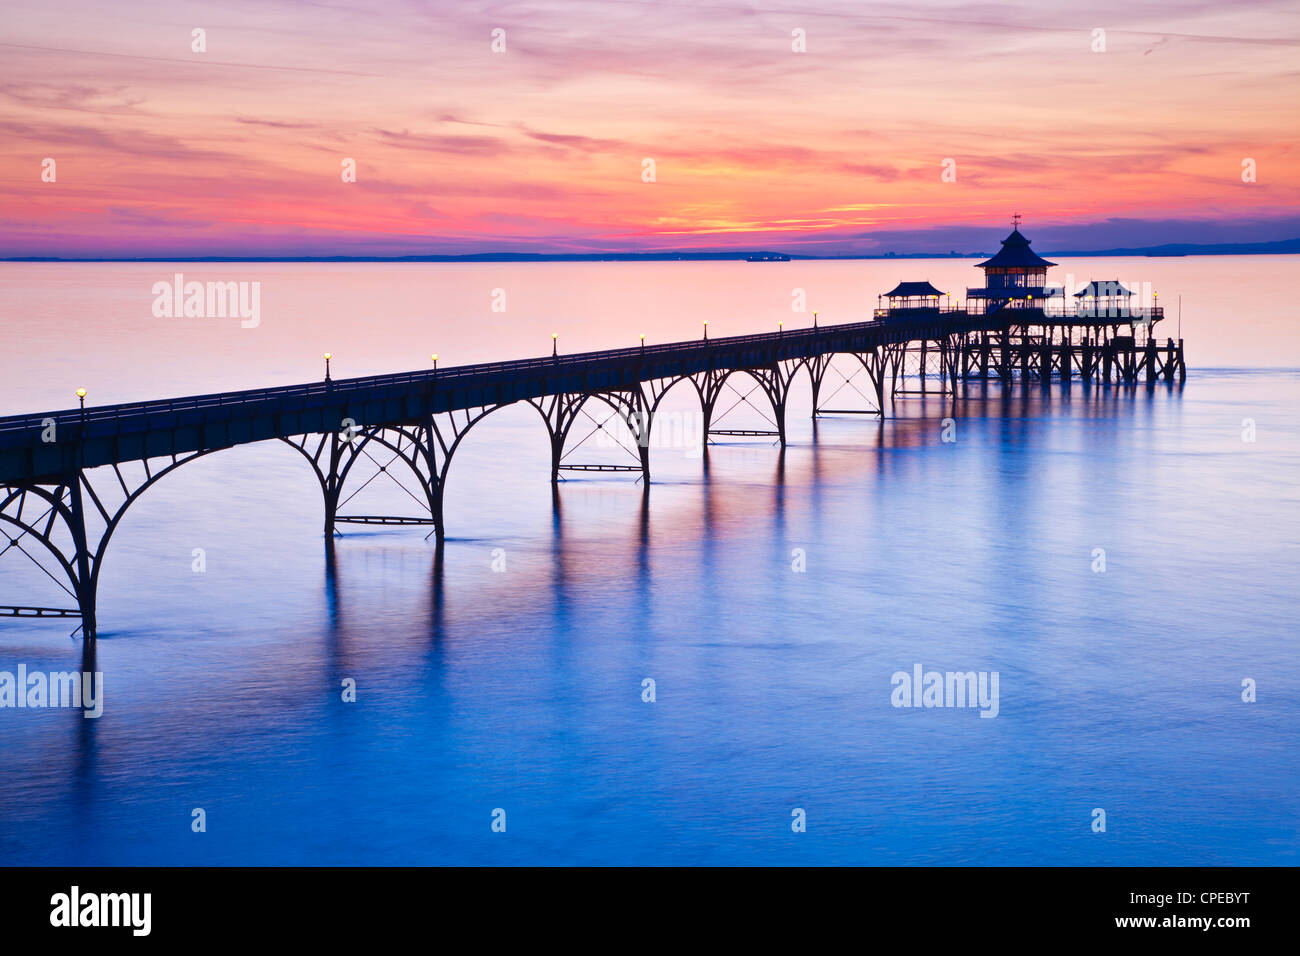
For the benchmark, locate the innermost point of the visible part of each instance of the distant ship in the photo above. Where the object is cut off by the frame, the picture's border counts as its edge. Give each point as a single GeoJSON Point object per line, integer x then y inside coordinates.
{"type": "Point", "coordinates": [767, 257]}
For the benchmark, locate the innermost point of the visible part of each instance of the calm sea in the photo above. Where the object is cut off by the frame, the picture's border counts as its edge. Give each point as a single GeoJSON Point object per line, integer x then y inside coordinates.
{"type": "Point", "coordinates": [771, 598]}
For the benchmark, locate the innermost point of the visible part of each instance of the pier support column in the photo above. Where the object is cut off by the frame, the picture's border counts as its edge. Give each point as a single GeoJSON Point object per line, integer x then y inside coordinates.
{"type": "Point", "coordinates": [332, 490]}
{"type": "Point", "coordinates": [645, 461]}
{"type": "Point", "coordinates": [557, 453]}
{"type": "Point", "coordinates": [435, 512]}
{"type": "Point", "coordinates": [816, 372]}
{"type": "Point", "coordinates": [85, 579]}
{"type": "Point", "coordinates": [436, 480]}
{"type": "Point", "coordinates": [878, 370]}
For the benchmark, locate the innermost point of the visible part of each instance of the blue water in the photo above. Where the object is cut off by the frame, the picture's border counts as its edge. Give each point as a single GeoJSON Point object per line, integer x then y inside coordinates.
{"type": "Point", "coordinates": [521, 689]}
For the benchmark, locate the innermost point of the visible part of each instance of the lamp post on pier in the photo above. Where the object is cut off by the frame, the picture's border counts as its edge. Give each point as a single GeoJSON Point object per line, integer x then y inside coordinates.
{"type": "Point", "coordinates": [81, 433]}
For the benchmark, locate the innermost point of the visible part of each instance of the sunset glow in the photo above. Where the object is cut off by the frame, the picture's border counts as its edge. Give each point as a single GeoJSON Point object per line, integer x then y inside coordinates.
{"type": "Point", "coordinates": [237, 150]}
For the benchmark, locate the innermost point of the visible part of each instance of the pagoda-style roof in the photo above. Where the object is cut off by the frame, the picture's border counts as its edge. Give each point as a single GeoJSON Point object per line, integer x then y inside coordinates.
{"type": "Point", "coordinates": [1102, 290]}
{"type": "Point", "coordinates": [1016, 253]}
{"type": "Point", "coordinates": [910, 289]}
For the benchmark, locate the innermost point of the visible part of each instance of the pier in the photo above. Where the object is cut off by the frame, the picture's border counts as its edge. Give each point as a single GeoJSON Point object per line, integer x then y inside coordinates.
{"type": "Point", "coordinates": [68, 477]}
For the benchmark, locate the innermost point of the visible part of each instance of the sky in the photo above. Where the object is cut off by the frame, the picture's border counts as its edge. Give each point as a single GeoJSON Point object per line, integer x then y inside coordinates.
{"type": "Point", "coordinates": [908, 127]}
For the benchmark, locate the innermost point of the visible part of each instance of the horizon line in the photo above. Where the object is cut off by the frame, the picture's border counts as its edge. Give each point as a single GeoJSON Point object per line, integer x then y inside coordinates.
{"type": "Point", "coordinates": [1165, 250]}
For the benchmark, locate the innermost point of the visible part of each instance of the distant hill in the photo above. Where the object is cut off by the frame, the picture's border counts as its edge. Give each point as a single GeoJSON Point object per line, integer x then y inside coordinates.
{"type": "Point", "coordinates": [1282, 246]}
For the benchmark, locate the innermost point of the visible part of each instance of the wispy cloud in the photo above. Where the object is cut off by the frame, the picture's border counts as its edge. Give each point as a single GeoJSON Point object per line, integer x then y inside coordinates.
{"type": "Point", "coordinates": [751, 142]}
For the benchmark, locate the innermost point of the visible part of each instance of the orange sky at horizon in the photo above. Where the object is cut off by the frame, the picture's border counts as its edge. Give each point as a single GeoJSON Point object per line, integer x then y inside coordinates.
{"type": "Point", "coordinates": [161, 150]}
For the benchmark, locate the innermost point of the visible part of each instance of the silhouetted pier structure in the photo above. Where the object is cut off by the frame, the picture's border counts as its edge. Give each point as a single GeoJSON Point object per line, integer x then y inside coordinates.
{"type": "Point", "coordinates": [68, 477]}
{"type": "Point", "coordinates": [1033, 334]}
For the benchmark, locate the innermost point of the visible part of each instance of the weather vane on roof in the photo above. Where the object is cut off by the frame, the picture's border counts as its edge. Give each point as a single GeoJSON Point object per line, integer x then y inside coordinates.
{"type": "Point", "coordinates": [1015, 221]}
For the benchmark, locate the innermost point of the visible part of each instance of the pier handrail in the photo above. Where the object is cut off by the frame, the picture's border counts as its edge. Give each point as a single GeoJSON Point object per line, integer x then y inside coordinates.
{"type": "Point", "coordinates": [789, 342]}
{"type": "Point", "coordinates": [453, 375]}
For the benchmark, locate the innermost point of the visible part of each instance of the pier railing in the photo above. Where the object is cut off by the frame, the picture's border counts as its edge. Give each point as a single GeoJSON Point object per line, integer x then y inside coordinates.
{"type": "Point", "coordinates": [1095, 314]}
{"type": "Point", "coordinates": [787, 342]}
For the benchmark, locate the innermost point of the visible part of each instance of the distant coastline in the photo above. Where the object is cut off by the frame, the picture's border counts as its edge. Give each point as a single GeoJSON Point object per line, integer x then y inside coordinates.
{"type": "Point", "coordinates": [1280, 247]}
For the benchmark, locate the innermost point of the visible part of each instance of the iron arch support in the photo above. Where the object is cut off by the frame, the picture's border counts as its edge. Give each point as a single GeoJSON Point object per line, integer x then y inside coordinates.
{"type": "Point", "coordinates": [768, 378]}
{"type": "Point", "coordinates": [41, 529]}
{"type": "Point", "coordinates": [630, 406]}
